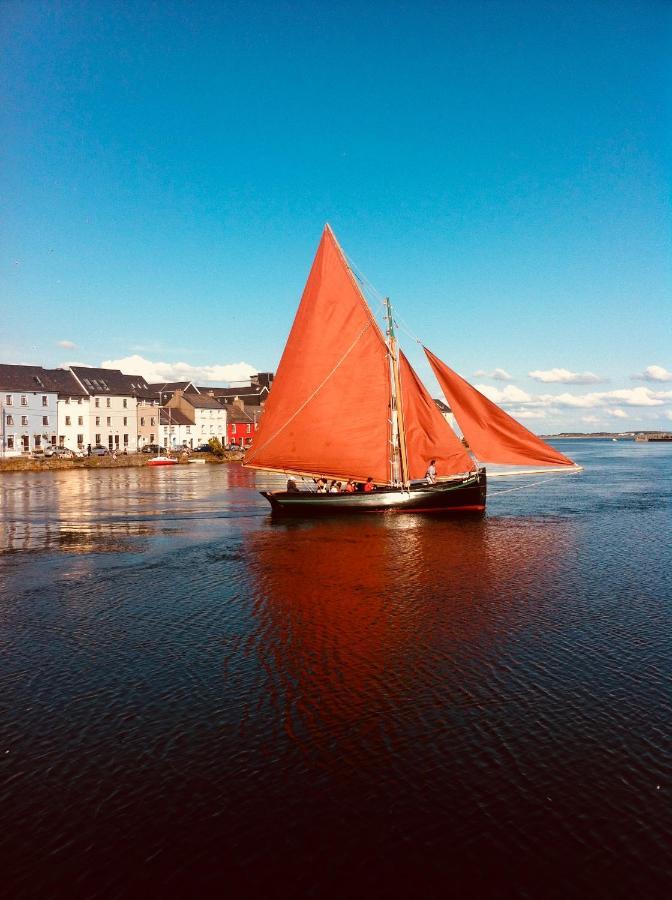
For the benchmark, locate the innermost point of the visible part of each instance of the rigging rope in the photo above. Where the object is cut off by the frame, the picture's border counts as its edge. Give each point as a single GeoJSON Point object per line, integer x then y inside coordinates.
{"type": "Point", "coordinates": [521, 488]}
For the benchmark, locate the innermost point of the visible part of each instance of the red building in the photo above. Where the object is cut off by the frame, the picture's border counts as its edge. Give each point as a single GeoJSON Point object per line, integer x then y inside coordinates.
{"type": "Point", "coordinates": [241, 423]}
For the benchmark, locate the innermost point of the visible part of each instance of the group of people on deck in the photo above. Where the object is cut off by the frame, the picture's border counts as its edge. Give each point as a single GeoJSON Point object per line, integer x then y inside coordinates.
{"type": "Point", "coordinates": [327, 486]}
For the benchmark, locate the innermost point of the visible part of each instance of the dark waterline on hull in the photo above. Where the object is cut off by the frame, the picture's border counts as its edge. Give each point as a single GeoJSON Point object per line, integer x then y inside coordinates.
{"type": "Point", "coordinates": [198, 697]}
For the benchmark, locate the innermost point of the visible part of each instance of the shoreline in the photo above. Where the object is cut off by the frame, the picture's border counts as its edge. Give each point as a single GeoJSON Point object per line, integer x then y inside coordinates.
{"type": "Point", "coordinates": [129, 461]}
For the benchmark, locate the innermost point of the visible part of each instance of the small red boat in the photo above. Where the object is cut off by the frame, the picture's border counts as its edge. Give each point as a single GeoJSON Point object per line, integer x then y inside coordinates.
{"type": "Point", "coordinates": [162, 461]}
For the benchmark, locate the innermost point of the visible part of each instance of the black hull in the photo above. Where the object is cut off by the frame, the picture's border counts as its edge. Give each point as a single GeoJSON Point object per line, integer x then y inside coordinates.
{"type": "Point", "coordinates": [462, 497]}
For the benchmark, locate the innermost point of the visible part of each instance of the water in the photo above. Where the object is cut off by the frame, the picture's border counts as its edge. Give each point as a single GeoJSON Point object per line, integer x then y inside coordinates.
{"type": "Point", "coordinates": [197, 699]}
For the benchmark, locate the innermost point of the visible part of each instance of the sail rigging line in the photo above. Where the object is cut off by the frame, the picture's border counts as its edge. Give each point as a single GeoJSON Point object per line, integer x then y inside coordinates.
{"type": "Point", "coordinates": [305, 403]}
{"type": "Point", "coordinates": [521, 487]}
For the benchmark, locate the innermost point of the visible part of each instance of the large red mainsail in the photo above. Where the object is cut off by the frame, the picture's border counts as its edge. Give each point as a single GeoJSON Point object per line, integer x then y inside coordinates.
{"type": "Point", "coordinates": [428, 435]}
{"type": "Point", "coordinates": [329, 410]}
{"type": "Point", "coordinates": [493, 435]}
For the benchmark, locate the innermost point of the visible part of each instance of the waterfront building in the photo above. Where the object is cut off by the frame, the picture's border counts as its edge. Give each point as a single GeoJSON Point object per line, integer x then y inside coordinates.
{"type": "Point", "coordinates": [113, 417]}
{"type": "Point", "coordinates": [242, 422]}
{"type": "Point", "coordinates": [252, 394]}
{"type": "Point", "coordinates": [176, 429]}
{"type": "Point", "coordinates": [73, 410]}
{"type": "Point", "coordinates": [205, 412]}
{"type": "Point", "coordinates": [165, 390]}
{"type": "Point", "coordinates": [28, 410]}
{"type": "Point", "coordinates": [148, 421]}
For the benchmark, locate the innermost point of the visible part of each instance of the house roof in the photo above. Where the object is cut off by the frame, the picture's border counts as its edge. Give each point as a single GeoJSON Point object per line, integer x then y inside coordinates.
{"type": "Point", "coordinates": [24, 378]}
{"type": "Point", "coordinates": [171, 416]}
{"type": "Point", "coordinates": [254, 392]}
{"type": "Point", "coordinates": [37, 378]}
{"type": "Point", "coordinates": [111, 381]}
{"type": "Point", "coordinates": [202, 401]}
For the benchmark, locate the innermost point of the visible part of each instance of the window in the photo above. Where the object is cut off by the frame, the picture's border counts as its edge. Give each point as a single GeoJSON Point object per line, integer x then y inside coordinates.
{"type": "Point", "coordinates": [109, 421]}
{"type": "Point", "coordinates": [152, 421]}
{"type": "Point", "coordinates": [249, 429]}
{"type": "Point", "coordinates": [24, 420]}
{"type": "Point", "coordinates": [80, 440]}
{"type": "Point", "coordinates": [80, 420]}
{"type": "Point", "coordinates": [97, 420]}
{"type": "Point", "coordinates": [37, 440]}
{"type": "Point", "coordinates": [151, 438]}
{"type": "Point", "coordinates": [97, 439]}
{"type": "Point", "coordinates": [125, 440]}
{"type": "Point", "coordinates": [97, 402]}
{"type": "Point", "coordinates": [45, 400]}
{"type": "Point", "coordinates": [10, 420]}
{"type": "Point", "coordinates": [45, 420]}
{"type": "Point", "coordinates": [125, 404]}
{"type": "Point", "coordinates": [25, 442]}
{"type": "Point", "coordinates": [125, 421]}
{"type": "Point", "coordinates": [67, 421]}
{"type": "Point", "coordinates": [8, 400]}
{"type": "Point", "coordinates": [61, 440]}
{"type": "Point", "coordinates": [107, 402]}
{"type": "Point", "coordinates": [24, 402]}
{"type": "Point", "coordinates": [188, 429]}
{"type": "Point", "coordinates": [142, 421]}
{"type": "Point", "coordinates": [10, 442]}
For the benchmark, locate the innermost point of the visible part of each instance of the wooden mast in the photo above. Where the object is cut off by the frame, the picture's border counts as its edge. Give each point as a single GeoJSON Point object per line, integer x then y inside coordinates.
{"type": "Point", "coordinates": [398, 427]}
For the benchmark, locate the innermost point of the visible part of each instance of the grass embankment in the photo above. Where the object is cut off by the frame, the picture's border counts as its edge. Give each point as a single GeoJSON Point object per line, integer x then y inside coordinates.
{"type": "Point", "coordinates": [25, 464]}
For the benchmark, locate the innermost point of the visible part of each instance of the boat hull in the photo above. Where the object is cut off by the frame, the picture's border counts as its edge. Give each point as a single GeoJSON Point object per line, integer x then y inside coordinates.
{"type": "Point", "coordinates": [162, 461]}
{"type": "Point", "coordinates": [463, 497]}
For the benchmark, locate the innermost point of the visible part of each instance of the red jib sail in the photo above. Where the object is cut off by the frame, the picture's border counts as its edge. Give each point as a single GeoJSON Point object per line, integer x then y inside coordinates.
{"type": "Point", "coordinates": [329, 410]}
{"type": "Point", "coordinates": [428, 435]}
{"type": "Point", "coordinates": [493, 435]}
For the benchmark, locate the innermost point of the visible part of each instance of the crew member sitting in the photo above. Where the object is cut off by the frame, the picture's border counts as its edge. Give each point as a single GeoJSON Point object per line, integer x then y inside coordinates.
{"type": "Point", "coordinates": [292, 486]}
{"type": "Point", "coordinates": [369, 486]}
{"type": "Point", "coordinates": [430, 474]}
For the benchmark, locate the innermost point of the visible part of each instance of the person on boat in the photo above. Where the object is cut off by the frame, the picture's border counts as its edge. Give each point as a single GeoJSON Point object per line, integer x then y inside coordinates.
{"type": "Point", "coordinates": [321, 486]}
{"type": "Point", "coordinates": [335, 487]}
{"type": "Point", "coordinates": [292, 486]}
{"type": "Point", "coordinates": [369, 486]}
{"type": "Point", "coordinates": [350, 487]}
{"type": "Point", "coordinates": [430, 474]}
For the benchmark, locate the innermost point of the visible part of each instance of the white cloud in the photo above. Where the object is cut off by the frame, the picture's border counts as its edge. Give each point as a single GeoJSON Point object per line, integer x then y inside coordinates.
{"type": "Point", "coordinates": [653, 373]}
{"type": "Point", "coordinates": [564, 376]}
{"type": "Point", "coordinates": [497, 374]}
{"type": "Point", "coordinates": [617, 413]}
{"type": "Point", "coordinates": [154, 372]}
{"type": "Point", "coordinates": [508, 395]}
{"type": "Point", "coordinates": [66, 345]}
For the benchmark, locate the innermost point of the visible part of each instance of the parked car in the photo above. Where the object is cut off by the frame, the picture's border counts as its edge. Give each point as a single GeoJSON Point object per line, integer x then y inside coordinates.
{"type": "Point", "coordinates": [61, 453]}
{"type": "Point", "coordinates": [99, 450]}
{"type": "Point", "coordinates": [203, 448]}
{"type": "Point", "coordinates": [151, 448]}
{"type": "Point", "coordinates": [232, 448]}
{"type": "Point", "coordinates": [38, 453]}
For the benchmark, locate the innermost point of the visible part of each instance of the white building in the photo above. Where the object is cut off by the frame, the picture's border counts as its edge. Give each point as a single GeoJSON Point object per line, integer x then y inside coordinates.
{"type": "Point", "coordinates": [113, 402]}
{"type": "Point", "coordinates": [207, 415]}
{"type": "Point", "coordinates": [176, 429]}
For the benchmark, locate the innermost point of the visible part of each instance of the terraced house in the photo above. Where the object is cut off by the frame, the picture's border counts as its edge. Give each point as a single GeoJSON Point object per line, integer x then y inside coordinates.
{"type": "Point", "coordinates": [113, 402]}
{"type": "Point", "coordinates": [28, 410]}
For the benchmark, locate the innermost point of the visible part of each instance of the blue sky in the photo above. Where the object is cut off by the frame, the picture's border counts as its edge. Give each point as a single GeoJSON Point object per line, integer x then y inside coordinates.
{"type": "Point", "coordinates": [501, 169]}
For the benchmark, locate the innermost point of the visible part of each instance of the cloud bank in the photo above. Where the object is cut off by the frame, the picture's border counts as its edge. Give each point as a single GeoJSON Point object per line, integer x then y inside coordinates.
{"type": "Point", "coordinates": [653, 373]}
{"type": "Point", "coordinates": [564, 376]}
{"type": "Point", "coordinates": [155, 372]}
{"type": "Point", "coordinates": [497, 374]}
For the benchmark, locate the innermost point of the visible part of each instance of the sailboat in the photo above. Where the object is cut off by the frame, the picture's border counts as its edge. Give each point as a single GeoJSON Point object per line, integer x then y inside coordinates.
{"type": "Point", "coordinates": [346, 405]}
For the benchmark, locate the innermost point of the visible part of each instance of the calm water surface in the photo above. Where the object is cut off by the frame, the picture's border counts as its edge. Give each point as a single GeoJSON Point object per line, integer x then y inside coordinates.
{"type": "Point", "coordinates": [195, 698]}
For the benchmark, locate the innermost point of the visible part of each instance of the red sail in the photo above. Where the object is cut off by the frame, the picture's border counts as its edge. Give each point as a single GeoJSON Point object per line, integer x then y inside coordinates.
{"type": "Point", "coordinates": [428, 435]}
{"type": "Point", "coordinates": [329, 410]}
{"type": "Point", "coordinates": [493, 435]}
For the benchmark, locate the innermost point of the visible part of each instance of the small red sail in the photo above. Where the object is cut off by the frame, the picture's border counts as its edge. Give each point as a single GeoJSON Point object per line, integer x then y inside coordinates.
{"type": "Point", "coordinates": [493, 435]}
{"type": "Point", "coordinates": [428, 435]}
{"type": "Point", "coordinates": [329, 410]}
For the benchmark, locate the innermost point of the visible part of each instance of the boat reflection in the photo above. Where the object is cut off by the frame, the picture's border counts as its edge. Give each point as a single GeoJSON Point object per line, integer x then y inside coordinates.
{"type": "Point", "coordinates": [365, 626]}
